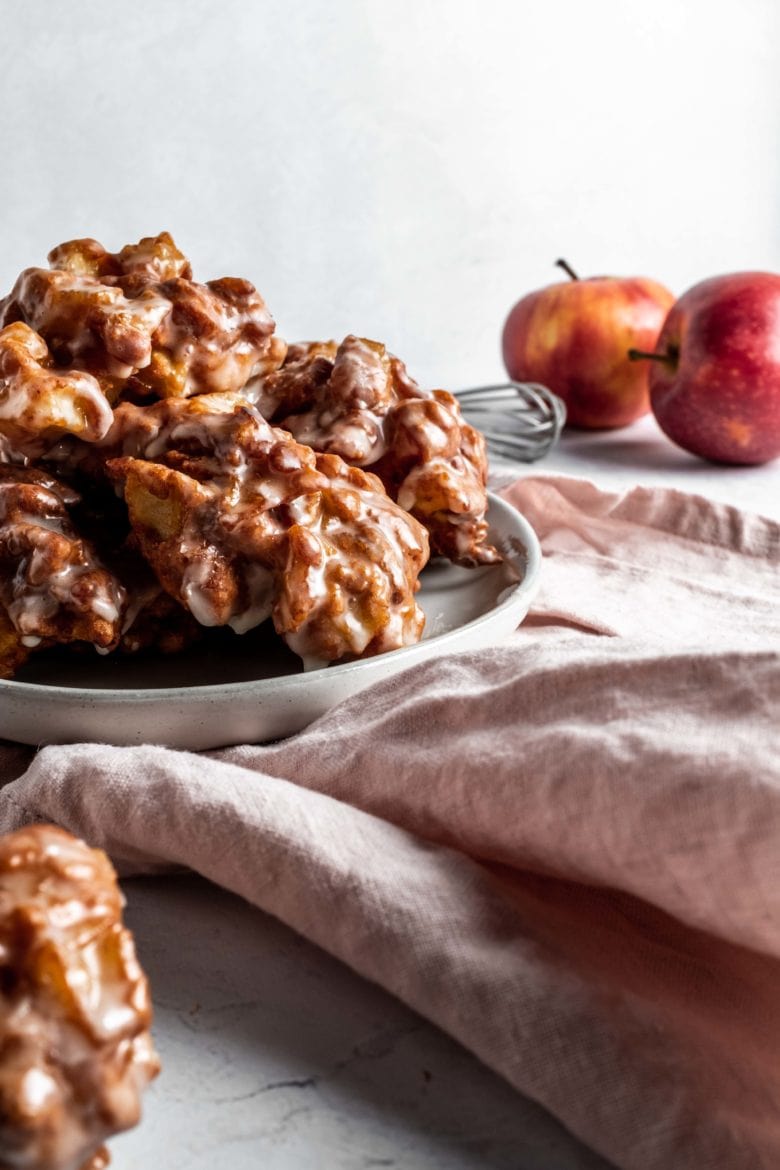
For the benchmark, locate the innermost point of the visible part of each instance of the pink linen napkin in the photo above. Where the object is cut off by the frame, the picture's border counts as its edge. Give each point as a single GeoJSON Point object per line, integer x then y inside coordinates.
{"type": "Point", "coordinates": [565, 850]}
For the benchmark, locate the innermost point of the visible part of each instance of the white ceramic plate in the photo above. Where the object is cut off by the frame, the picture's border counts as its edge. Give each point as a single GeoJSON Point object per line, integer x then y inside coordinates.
{"type": "Point", "coordinates": [252, 689]}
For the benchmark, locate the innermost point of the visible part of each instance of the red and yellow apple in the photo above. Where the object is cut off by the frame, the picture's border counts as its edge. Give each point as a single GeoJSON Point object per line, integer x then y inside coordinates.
{"type": "Point", "coordinates": [715, 377]}
{"type": "Point", "coordinates": [574, 337]}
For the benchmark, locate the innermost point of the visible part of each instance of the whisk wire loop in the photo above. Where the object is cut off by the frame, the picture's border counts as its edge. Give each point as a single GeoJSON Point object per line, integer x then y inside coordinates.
{"type": "Point", "coordinates": [520, 420]}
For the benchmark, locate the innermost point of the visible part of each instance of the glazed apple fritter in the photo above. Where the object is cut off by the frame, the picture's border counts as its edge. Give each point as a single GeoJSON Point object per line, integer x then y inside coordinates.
{"type": "Point", "coordinates": [357, 401]}
{"type": "Point", "coordinates": [53, 586]}
{"type": "Point", "coordinates": [139, 323]}
{"type": "Point", "coordinates": [38, 402]}
{"type": "Point", "coordinates": [241, 523]}
{"type": "Point", "coordinates": [75, 1012]}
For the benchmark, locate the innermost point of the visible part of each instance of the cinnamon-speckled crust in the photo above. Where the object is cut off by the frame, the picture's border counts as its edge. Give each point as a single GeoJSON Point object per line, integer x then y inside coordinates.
{"type": "Point", "coordinates": [148, 431]}
{"type": "Point", "coordinates": [59, 588]}
{"type": "Point", "coordinates": [332, 398]}
{"type": "Point", "coordinates": [357, 401]}
{"type": "Point", "coordinates": [75, 1012]}
{"type": "Point", "coordinates": [242, 523]}
{"type": "Point", "coordinates": [39, 403]}
{"type": "Point", "coordinates": [151, 618]}
{"type": "Point", "coordinates": [53, 586]}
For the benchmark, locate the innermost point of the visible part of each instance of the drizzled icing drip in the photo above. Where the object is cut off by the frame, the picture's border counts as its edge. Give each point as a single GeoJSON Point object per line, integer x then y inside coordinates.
{"type": "Point", "coordinates": [38, 402]}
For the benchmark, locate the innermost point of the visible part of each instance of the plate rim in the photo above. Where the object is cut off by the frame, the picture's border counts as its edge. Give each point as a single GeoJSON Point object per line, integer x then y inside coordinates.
{"type": "Point", "coordinates": [527, 586]}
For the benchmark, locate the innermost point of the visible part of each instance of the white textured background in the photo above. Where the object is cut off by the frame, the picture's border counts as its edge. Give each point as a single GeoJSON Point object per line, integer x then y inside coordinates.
{"type": "Point", "coordinates": [402, 168]}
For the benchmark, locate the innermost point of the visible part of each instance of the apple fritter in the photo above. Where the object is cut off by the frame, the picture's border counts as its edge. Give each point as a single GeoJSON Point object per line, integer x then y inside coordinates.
{"type": "Point", "coordinates": [435, 466]}
{"type": "Point", "coordinates": [334, 398]}
{"type": "Point", "coordinates": [75, 1048]}
{"type": "Point", "coordinates": [147, 431]}
{"type": "Point", "coordinates": [293, 388]}
{"type": "Point", "coordinates": [136, 320]}
{"type": "Point", "coordinates": [242, 523]}
{"type": "Point", "coordinates": [38, 402]}
{"type": "Point", "coordinates": [86, 324]}
{"type": "Point", "coordinates": [53, 586]}
{"type": "Point", "coordinates": [133, 268]}
{"type": "Point", "coordinates": [215, 337]}
{"type": "Point", "coordinates": [357, 401]}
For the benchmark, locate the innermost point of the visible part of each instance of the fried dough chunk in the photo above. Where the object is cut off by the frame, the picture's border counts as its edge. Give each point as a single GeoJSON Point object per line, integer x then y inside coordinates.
{"type": "Point", "coordinates": [215, 337]}
{"type": "Point", "coordinates": [333, 398]}
{"type": "Point", "coordinates": [242, 523]}
{"type": "Point", "coordinates": [156, 621]}
{"type": "Point", "coordinates": [12, 653]}
{"type": "Point", "coordinates": [75, 1011]}
{"type": "Point", "coordinates": [152, 619]}
{"type": "Point", "coordinates": [87, 324]}
{"type": "Point", "coordinates": [53, 586]}
{"type": "Point", "coordinates": [138, 323]}
{"type": "Point", "coordinates": [135, 267]}
{"type": "Point", "coordinates": [357, 401]}
{"type": "Point", "coordinates": [435, 466]}
{"type": "Point", "coordinates": [39, 403]}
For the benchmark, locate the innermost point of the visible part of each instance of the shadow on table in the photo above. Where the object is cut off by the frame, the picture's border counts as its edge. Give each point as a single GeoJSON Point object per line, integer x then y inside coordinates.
{"type": "Point", "coordinates": [272, 1048]}
{"type": "Point", "coordinates": [641, 453]}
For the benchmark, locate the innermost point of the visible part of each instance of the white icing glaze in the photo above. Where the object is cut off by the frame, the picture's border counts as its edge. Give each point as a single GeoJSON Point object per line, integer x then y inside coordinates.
{"type": "Point", "coordinates": [37, 402]}
{"type": "Point", "coordinates": [260, 587]}
{"type": "Point", "coordinates": [194, 593]}
{"type": "Point", "coordinates": [347, 412]}
{"type": "Point", "coordinates": [81, 313]}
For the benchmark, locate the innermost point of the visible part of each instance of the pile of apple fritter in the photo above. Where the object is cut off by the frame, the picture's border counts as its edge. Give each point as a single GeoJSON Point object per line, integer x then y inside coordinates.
{"type": "Point", "coordinates": [168, 465]}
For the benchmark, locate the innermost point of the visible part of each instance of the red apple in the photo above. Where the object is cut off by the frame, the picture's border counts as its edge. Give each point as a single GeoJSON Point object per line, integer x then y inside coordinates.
{"type": "Point", "coordinates": [715, 381]}
{"type": "Point", "coordinates": [574, 337]}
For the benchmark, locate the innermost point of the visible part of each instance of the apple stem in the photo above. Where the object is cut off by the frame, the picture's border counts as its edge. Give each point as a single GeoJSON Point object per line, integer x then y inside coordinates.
{"type": "Point", "coordinates": [567, 268]}
{"type": "Point", "coordinates": [636, 355]}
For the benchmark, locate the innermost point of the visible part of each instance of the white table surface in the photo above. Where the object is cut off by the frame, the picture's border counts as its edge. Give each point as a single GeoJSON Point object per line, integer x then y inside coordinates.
{"type": "Point", "coordinates": [277, 1056]}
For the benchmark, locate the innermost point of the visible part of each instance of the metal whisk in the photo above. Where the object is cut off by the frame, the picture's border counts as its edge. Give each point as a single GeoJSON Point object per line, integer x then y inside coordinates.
{"type": "Point", "coordinates": [520, 420]}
